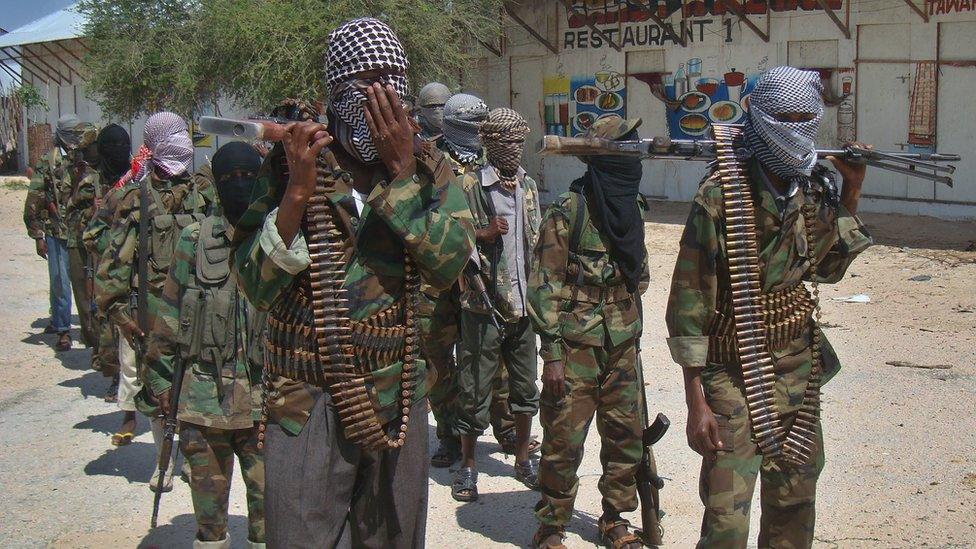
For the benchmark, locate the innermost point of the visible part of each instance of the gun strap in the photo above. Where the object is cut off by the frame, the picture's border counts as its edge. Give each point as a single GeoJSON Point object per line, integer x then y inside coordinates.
{"type": "Point", "coordinates": [742, 250]}
{"type": "Point", "coordinates": [142, 265]}
{"type": "Point", "coordinates": [579, 221]}
{"type": "Point", "coordinates": [496, 246]}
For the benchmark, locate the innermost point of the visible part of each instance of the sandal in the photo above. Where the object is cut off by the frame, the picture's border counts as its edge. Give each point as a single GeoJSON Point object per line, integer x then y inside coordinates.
{"type": "Point", "coordinates": [507, 443]}
{"type": "Point", "coordinates": [447, 454]}
{"type": "Point", "coordinates": [112, 394]}
{"type": "Point", "coordinates": [465, 486]}
{"type": "Point", "coordinates": [621, 542]}
{"type": "Point", "coordinates": [528, 474]}
{"type": "Point", "coordinates": [121, 439]}
{"type": "Point", "coordinates": [539, 540]}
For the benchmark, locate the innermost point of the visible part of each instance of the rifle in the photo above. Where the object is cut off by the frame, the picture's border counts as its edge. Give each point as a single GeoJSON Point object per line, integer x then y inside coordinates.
{"type": "Point", "coordinates": [169, 433]}
{"type": "Point", "coordinates": [139, 297]}
{"type": "Point", "coordinates": [649, 483]}
{"type": "Point", "coordinates": [473, 278]}
{"type": "Point", "coordinates": [257, 129]}
{"type": "Point", "coordinates": [921, 165]}
{"type": "Point", "coordinates": [90, 282]}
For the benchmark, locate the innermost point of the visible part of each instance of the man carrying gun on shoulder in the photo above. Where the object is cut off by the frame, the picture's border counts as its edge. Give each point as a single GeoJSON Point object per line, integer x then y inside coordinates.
{"type": "Point", "coordinates": [589, 268]}
{"type": "Point", "coordinates": [763, 421]}
{"type": "Point", "coordinates": [505, 204]}
{"type": "Point", "coordinates": [207, 333]}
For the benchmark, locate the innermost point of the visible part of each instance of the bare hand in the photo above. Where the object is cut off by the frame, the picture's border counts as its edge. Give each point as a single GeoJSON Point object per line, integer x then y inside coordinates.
{"type": "Point", "coordinates": [97, 204]}
{"type": "Point", "coordinates": [496, 227]}
{"type": "Point", "coordinates": [554, 379]}
{"type": "Point", "coordinates": [131, 332]}
{"type": "Point", "coordinates": [391, 129]}
{"type": "Point", "coordinates": [164, 402]}
{"type": "Point", "coordinates": [851, 172]}
{"type": "Point", "coordinates": [302, 142]}
{"type": "Point", "coordinates": [41, 246]}
{"type": "Point", "coordinates": [702, 430]}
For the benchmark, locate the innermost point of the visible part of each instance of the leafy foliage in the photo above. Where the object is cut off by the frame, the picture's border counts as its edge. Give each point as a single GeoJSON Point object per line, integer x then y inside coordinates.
{"type": "Point", "coordinates": [181, 54]}
{"type": "Point", "coordinates": [29, 97]}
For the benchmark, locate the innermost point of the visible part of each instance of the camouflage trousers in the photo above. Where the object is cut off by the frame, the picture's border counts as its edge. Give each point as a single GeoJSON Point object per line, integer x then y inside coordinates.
{"type": "Point", "coordinates": [787, 494]}
{"type": "Point", "coordinates": [106, 353]}
{"type": "Point", "coordinates": [600, 381]}
{"type": "Point", "coordinates": [77, 259]}
{"type": "Point", "coordinates": [439, 329]}
{"type": "Point", "coordinates": [210, 454]}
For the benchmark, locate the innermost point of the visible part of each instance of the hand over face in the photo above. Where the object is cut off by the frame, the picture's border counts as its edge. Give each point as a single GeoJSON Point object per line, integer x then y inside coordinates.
{"type": "Point", "coordinates": [391, 129]}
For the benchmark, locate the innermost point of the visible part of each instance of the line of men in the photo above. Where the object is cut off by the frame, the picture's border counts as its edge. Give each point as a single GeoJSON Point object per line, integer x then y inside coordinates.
{"type": "Point", "coordinates": [494, 274]}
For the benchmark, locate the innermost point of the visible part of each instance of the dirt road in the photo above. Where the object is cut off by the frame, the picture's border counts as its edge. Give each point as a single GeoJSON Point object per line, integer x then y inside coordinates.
{"type": "Point", "coordinates": [900, 441]}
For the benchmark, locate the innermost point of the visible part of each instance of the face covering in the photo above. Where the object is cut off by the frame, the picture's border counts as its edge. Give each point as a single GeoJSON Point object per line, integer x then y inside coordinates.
{"type": "Point", "coordinates": [611, 185]}
{"type": "Point", "coordinates": [504, 137]}
{"type": "Point", "coordinates": [788, 149]}
{"type": "Point", "coordinates": [167, 144]}
{"type": "Point", "coordinates": [235, 167]}
{"type": "Point", "coordinates": [431, 102]}
{"type": "Point", "coordinates": [69, 131]}
{"type": "Point", "coordinates": [114, 147]}
{"type": "Point", "coordinates": [356, 46]}
{"type": "Point", "coordinates": [463, 116]}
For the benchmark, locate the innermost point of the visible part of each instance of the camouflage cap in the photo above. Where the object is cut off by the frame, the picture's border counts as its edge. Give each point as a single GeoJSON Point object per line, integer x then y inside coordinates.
{"type": "Point", "coordinates": [612, 127]}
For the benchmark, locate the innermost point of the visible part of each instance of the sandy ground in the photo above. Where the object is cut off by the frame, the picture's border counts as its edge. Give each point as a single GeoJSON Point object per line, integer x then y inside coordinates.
{"type": "Point", "coordinates": [901, 470]}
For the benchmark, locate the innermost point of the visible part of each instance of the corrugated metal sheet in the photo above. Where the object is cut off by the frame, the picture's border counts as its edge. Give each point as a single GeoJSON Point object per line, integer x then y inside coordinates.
{"type": "Point", "coordinates": [60, 25]}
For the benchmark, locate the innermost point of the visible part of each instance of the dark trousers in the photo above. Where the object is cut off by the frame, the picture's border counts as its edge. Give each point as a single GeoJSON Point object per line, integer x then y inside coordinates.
{"type": "Point", "coordinates": [323, 491]}
{"type": "Point", "coordinates": [483, 350]}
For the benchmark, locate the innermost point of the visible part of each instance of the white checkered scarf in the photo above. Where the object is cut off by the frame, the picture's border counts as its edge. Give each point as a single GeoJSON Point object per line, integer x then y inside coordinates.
{"type": "Point", "coordinates": [788, 149]}
{"type": "Point", "coordinates": [463, 116]}
{"type": "Point", "coordinates": [167, 140]}
{"type": "Point", "coordinates": [359, 45]}
{"type": "Point", "coordinates": [504, 137]}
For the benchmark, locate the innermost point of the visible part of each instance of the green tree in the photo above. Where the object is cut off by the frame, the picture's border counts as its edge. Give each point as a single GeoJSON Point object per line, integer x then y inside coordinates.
{"type": "Point", "coordinates": [148, 55]}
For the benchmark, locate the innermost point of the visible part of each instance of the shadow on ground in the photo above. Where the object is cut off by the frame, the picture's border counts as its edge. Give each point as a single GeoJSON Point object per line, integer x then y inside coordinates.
{"type": "Point", "coordinates": [91, 384]}
{"type": "Point", "coordinates": [108, 423]}
{"type": "Point", "coordinates": [134, 462]}
{"type": "Point", "coordinates": [179, 532]}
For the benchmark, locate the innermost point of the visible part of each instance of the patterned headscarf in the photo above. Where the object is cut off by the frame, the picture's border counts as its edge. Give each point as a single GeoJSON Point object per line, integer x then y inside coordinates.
{"type": "Point", "coordinates": [359, 45]}
{"type": "Point", "coordinates": [166, 142]}
{"type": "Point", "coordinates": [430, 104]}
{"type": "Point", "coordinates": [69, 131]}
{"type": "Point", "coordinates": [504, 137]}
{"type": "Point", "coordinates": [463, 116]}
{"type": "Point", "coordinates": [788, 149]}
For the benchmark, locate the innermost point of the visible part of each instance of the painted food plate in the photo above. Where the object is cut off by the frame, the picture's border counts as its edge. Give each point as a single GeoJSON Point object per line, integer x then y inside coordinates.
{"type": "Point", "coordinates": [586, 95]}
{"type": "Point", "coordinates": [609, 101]}
{"type": "Point", "coordinates": [584, 120]}
{"type": "Point", "coordinates": [725, 112]}
{"type": "Point", "coordinates": [695, 102]}
{"type": "Point", "coordinates": [693, 124]}
{"type": "Point", "coordinates": [744, 102]}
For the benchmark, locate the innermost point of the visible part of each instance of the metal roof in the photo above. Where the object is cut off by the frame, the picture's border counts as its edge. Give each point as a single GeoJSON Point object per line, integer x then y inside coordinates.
{"type": "Point", "coordinates": [61, 25]}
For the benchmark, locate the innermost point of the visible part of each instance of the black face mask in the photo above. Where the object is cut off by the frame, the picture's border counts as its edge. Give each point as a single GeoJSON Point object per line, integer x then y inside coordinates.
{"type": "Point", "coordinates": [113, 151]}
{"type": "Point", "coordinates": [235, 195]}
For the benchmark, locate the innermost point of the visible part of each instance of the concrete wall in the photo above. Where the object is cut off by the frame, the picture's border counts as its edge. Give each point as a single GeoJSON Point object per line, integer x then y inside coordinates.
{"type": "Point", "coordinates": [882, 65]}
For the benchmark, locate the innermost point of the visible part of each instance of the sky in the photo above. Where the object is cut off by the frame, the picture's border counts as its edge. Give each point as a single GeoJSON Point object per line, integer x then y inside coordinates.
{"type": "Point", "coordinates": [16, 13]}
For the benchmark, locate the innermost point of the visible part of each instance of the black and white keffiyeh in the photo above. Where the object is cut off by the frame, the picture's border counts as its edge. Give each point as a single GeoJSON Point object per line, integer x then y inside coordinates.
{"type": "Point", "coordinates": [167, 138]}
{"type": "Point", "coordinates": [504, 137]}
{"type": "Point", "coordinates": [359, 45]}
{"type": "Point", "coordinates": [463, 116]}
{"type": "Point", "coordinates": [788, 149]}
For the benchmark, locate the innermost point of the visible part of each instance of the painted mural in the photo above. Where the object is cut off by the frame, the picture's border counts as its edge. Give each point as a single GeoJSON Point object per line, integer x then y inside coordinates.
{"type": "Point", "coordinates": [572, 104]}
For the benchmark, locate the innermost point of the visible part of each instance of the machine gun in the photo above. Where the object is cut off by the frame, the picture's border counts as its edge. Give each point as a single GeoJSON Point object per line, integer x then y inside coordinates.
{"type": "Point", "coordinates": [474, 280]}
{"type": "Point", "coordinates": [928, 166]}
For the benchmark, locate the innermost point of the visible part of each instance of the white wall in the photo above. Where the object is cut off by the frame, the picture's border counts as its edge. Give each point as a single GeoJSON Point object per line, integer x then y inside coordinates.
{"type": "Point", "coordinates": [892, 40]}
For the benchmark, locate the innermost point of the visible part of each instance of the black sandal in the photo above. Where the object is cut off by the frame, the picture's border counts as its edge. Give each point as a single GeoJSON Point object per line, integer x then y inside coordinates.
{"type": "Point", "coordinates": [508, 444]}
{"type": "Point", "coordinates": [528, 474]}
{"type": "Point", "coordinates": [465, 486]}
{"type": "Point", "coordinates": [447, 454]}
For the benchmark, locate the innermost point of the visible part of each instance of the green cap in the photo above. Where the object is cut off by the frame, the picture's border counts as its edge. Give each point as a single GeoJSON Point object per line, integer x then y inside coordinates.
{"type": "Point", "coordinates": [612, 127]}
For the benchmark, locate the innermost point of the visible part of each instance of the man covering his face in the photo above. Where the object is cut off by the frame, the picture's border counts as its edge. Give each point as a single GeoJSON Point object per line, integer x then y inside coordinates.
{"type": "Point", "coordinates": [167, 140]}
{"type": "Point", "coordinates": [463, 116]}
{"type": "Point", "coordinates": [503, 135]}
{"type": "Point", "coordinates": [431, 102]}
{"type": "Point", "coordinates": [235, 168]}
{"type": "Point", "coordinates": [114, 148]}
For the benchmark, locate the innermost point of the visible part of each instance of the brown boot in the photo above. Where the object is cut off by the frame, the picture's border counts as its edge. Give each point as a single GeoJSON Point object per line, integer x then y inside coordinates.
{"type": "Point", "coordinates": [64, 342]}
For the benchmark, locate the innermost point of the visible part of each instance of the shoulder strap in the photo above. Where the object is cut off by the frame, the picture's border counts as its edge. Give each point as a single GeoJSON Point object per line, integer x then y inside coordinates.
{"type": "Point", "coordinates": [142, 267]}
{"type": "Point", "coordinates": [578, 223]}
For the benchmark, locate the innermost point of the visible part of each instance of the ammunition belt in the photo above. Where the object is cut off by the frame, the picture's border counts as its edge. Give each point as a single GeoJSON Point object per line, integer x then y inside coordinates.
{"type": "Point", "coordinates": [311, 337]}
{"type": "Point", "coordinates": [758, 321]}
{"type": "Point", "coordinates": [786, 316]}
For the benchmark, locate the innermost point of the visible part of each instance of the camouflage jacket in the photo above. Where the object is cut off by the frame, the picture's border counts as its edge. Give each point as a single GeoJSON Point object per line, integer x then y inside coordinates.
{"type": "Point", "coordinates": [503, 295]}
{"type": "Point", "coordinates": [701, 272]}
{"type": "Point", "coordinates": [404, 216]}
{"type": "Point", "coordinates": [204, 321]}
{"type": "Point", "coordinates": [95, 238]}
{"type": "Point", "coordinates": [579, 296]}
{"type": "Point", "coordinates": [48, 196]}
{"type": "Point", "coordinates": [81, 206]}
{"type": "Point", "coordinates": [114, 278]}
{"type": "Point", "coordinates": [457, 166]}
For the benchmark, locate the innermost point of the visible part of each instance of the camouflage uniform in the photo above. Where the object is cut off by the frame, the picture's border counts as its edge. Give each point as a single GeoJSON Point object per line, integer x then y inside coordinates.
{"type": "Point", "coordinates": [396, 218]}
{"type": "Point", "coordinates": [45, 213]}
{"type": "Point", "coordinates": [587, 319]}
{"type": "Point", "coordinates": [484, 350]}
{"type": "Point", "coordinates": [439, 318]}
{"type": "Point", "coordinates": [87, 185]}
{"type": "Point", "coordinates": [699, 291]}
{"type": "Point", "coordinates": [203, 321]}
